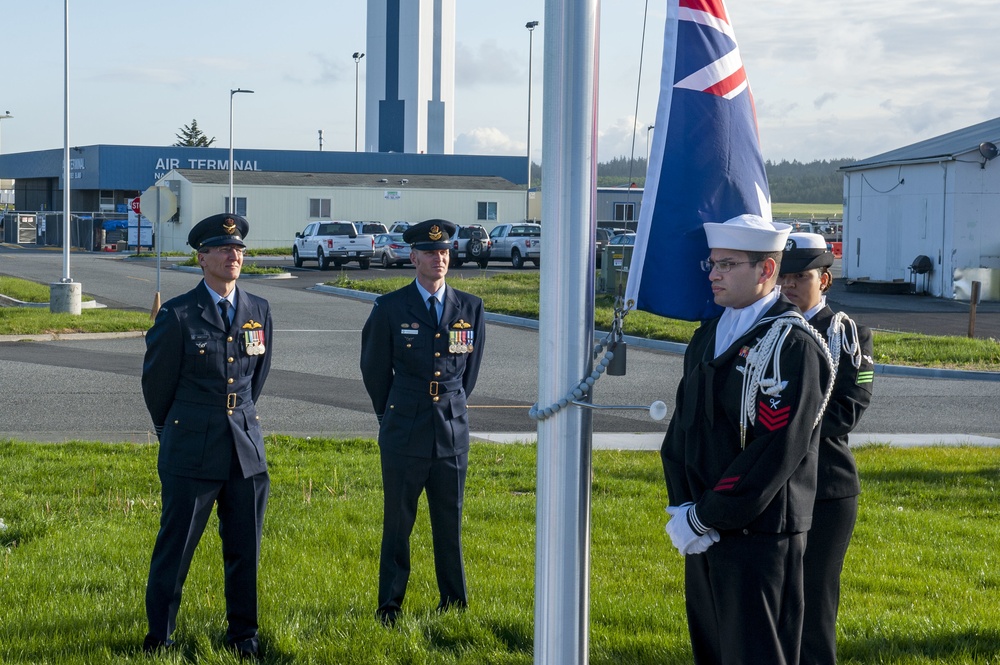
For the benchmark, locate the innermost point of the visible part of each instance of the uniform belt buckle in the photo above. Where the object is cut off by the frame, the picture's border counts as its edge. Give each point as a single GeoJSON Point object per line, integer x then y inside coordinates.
{"type": "Point", "coordinates": [231, 401]}
{"type": "Point", "coordinates": [434, 388]}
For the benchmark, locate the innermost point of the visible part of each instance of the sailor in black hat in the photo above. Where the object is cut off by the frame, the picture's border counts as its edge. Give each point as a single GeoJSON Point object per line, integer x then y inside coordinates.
{"type": "Point", "coordinates": [207, 357]}
{"type": "Point", "coordinates": [805, 279]}
{"type": "Point", "coordinates": [420, 354]}
{"type": "Point", "coordinates": [739, 455]}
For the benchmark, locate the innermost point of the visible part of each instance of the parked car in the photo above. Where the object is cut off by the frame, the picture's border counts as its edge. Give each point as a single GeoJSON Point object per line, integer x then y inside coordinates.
{"type": "Point", "coordinates": [471, 243]}
{"type": "Point", "coordinates": [390, 250]}
{"type": "Point", "coordinates": [623, 239]}
{"type": "Point", "coordinates": [374, 228]}
{"type": "Point", "coordinates": [399, 227]}
{"type": "Point", "coordinates": [603, 237]}
{"type": "Point", "coordinates": [516, 243]}
{"type": "Point", "coordinates": [331, 241]}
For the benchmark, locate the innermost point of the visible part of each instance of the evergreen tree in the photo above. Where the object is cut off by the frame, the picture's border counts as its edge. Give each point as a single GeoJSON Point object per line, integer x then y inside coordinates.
{"type": "Point", "coordinates": [192, 137]}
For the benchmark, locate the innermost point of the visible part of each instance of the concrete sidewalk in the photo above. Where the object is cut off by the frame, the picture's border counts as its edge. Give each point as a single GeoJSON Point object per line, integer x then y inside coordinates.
{"type": "Point", "coordinates": [652, 440]}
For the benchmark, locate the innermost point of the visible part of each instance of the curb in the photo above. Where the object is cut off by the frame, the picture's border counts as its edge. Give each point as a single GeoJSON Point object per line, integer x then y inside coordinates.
{"type": "Point", "coordinates": [281, 275]}
{"type": "Point", "coordinates": [56, 337]}
{"type": "Point", "coordinates": [678, 348]}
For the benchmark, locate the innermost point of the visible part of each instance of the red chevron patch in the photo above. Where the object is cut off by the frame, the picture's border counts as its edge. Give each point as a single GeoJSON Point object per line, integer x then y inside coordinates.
{"type": "Point", "coordinates": [727, 483]}
{"type": "Point", "coordinates": [773, 419]}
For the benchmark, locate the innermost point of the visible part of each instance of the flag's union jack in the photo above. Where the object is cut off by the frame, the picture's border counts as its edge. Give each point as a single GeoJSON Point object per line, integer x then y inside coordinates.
{"type": "Point", "coordinates": [705, 162]}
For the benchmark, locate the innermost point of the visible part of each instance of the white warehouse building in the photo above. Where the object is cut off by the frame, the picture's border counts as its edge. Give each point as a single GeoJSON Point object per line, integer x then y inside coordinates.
{"type": "Point", "coordinates": [934, 206]}
{"type": "Point", "coordinates": [278, 204]}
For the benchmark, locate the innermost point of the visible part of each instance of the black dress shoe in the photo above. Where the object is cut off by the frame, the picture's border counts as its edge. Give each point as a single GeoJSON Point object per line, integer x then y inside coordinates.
{"type": "Point", "coordinates": [154, 644]}
{"type": "Point", "coordinates": [248, 649]}
{"type": "Point", "coordinates": [388, 617]}
{"type": "Point", "coordinates": [451, 604]}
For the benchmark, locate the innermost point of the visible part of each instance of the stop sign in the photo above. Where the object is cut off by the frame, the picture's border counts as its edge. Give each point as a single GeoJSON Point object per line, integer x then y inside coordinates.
{"type": "Point", "coordinates": [135, 205]}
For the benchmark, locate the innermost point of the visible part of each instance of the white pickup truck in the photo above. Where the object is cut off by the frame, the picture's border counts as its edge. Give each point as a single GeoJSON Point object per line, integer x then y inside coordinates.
{"type": "Point", "coordinates": [516, 242]}
{"type": "Point", "coordinates": [329, 242]}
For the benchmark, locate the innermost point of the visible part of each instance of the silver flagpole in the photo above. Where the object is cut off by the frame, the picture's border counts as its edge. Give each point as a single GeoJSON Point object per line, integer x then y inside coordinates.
{"type": "Point", "coordinates": [566, 325]}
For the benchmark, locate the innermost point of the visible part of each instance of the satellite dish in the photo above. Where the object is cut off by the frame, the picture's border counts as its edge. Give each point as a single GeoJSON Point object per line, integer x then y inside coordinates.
{"type": "Point", "coordinates": [988, 150]}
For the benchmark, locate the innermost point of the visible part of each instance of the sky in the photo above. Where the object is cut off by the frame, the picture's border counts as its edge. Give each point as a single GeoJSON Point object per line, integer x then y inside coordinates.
{"type": "Point", "coordinates": [831, 80]}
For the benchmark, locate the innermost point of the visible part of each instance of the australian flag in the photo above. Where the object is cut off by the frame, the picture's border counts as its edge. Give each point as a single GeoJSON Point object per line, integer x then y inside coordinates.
{"type": "Point", "coordinates": [705, 163]}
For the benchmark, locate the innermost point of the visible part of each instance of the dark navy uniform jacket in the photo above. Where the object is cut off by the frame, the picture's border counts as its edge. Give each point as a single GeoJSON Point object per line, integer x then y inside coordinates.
{"type": "Point", "coordinates": [852, 393]}
{"type": "Point", "coordinates": [419, 374]}
{"type": "Point", "coordinates": [201, 383]}
{"type": "Point", "coordinates": [769, 485]}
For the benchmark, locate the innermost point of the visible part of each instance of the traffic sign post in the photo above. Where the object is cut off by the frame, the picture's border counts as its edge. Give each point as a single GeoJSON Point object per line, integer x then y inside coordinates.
{"type": "Point", "coordinates": [161, 205]}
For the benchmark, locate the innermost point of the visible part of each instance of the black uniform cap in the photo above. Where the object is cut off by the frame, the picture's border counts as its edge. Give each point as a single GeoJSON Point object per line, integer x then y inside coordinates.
{"type": "Point", "coordinates": [805, 251]}
{"type": "Point", "coordinates": [430, 234]}
{"type": "Point", "coordinates": [222, 229]}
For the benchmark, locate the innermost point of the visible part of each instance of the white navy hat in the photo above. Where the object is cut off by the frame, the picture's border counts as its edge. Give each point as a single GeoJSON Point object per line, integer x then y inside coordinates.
{"type": "Point", "coordinates": [748, 233]}
{"type": "Point", "coordinates": [805, 251]}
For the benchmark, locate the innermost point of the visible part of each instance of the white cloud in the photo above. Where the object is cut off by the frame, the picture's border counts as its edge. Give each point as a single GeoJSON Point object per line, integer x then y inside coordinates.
{"type": "Point", "coordinates": [489, 64]}
{"type": "Point", "coordinates": [487, 141]}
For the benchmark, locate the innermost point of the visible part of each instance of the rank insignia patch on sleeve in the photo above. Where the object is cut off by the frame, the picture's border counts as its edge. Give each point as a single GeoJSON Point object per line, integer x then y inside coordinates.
{"type": "Point", "coordinates": [773, 418]}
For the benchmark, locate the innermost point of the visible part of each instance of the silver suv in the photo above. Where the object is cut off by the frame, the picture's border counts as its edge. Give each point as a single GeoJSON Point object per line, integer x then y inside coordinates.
{"type": "Point", "coordinates": [472, 243]}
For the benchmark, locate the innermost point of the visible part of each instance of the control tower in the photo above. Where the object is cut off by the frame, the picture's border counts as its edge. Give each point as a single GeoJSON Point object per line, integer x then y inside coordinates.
{"type": "Point", "coordinates": [410, 76]}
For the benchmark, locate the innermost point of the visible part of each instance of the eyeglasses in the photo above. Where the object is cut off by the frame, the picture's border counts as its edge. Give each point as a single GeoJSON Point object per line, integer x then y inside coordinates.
{"type": "Point", "coordinates": [722, 267]}
{"type": "Point", "coordinates": [227, 249]}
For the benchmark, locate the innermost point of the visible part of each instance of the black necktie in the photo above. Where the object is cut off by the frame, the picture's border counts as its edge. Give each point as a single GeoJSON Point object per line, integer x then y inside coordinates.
{"type": "Point", "coordinates": [432, 306]}
{"type": "Point", "coordinates": [224, 310]}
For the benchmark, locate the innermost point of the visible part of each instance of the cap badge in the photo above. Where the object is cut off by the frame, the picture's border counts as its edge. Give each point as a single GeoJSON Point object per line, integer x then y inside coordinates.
{"type": "Point", "coordinates": [434, 233]}
{"type": "Point", "coordinates": [229, 226]}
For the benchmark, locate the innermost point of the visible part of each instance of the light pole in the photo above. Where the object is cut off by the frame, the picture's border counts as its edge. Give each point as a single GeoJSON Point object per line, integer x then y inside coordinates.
{"type": "Point", "coordinates": [530, 25]}
{"type": "Point", "coordinates": [357, 65]}
{"type": "Point", "coordinates": [648, 130]}
{"type": "Point", "coordinates": [5, 116]}
{"type": "Point", "coordinates": [65, 296]}
{"type": "Point", "coordinates": [232, 204]}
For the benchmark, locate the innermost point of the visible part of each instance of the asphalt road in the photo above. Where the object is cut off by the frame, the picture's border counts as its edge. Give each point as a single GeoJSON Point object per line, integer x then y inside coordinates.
{"type": "Point", "coordinates": [88, 388]}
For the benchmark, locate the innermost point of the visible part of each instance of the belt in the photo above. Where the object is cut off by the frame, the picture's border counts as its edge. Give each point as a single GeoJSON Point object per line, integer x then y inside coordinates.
{"type": "Point", "coordinates": [433, 388]}
{"type": "Point", "coordinates": [225, 400]}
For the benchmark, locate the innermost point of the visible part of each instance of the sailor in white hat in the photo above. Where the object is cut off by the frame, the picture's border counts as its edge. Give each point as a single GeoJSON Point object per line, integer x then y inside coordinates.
{"type": "Point", "coordinates": [740, 453]}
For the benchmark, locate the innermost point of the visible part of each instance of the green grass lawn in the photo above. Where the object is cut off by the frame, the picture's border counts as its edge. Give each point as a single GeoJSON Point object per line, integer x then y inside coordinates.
{"type": "Point", "coordinates": [806, 211]}
{"type": "Point", "coordinates": [920, 586]}
{"type": "Point", "coordinates": [517, 294]}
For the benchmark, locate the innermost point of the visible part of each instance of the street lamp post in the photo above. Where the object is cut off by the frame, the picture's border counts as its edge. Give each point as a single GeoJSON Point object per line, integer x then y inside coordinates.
{"type": "Point", "coordinates": [5, 116]}
{"type": "Point", "coordinates": [357, 65]}
{"type": "Point", "coordinates": [232, 204]}
{"type": "Point", "coordinates": [530, 25]}
{"type": "Point", "coordinates": [648, 130]}
{"type": "Point", "coordinates": [65, 296]}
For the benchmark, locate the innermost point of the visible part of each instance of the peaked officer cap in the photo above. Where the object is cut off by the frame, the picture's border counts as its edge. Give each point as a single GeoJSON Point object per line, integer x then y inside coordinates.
{"type": "Point", "coordinates": [430, 234]}
{"type": "Point", "coordinates": [222, 229]}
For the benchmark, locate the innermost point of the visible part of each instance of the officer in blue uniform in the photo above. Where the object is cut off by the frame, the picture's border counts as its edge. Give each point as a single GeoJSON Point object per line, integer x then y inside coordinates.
{"type": "Point", "coordinates": [207, 357]}
{"type": "Point", "coordinates": [420, 353]}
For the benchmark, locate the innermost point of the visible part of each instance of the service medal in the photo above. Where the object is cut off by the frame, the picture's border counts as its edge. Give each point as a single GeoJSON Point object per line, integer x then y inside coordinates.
{"type": "Point", "coordinates": [254, 342]}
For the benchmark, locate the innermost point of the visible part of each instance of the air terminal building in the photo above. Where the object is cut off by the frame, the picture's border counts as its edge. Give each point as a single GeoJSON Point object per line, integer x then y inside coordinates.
{"type": "Point", "coordinates": [278, 190]}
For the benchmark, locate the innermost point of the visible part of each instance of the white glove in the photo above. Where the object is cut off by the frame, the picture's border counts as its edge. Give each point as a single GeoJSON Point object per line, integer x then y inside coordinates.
{"type": "Point", "coordinates": [703, 542]}
{"type": "Point", "coordinates": [683, 536]}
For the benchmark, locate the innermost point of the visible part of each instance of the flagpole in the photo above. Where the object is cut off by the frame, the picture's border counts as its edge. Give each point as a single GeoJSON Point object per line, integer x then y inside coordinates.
{"type": "Point", "coordinates": [566, 324]}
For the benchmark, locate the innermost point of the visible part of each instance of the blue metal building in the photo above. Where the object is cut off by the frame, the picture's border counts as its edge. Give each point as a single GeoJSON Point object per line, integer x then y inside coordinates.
{"type": "Point", "coordinates": [104, 177]}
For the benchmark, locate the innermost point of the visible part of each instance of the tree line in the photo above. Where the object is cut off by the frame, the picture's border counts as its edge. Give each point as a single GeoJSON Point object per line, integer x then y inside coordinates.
{"type": "Point", "coordinates": [818, 181]}
{"type": "Point", "coordinates": [789, 182]}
